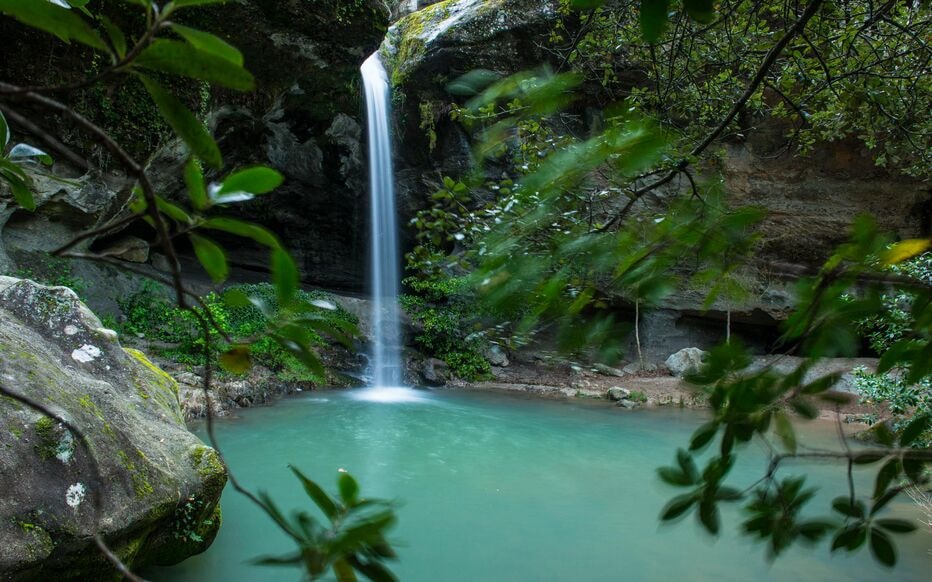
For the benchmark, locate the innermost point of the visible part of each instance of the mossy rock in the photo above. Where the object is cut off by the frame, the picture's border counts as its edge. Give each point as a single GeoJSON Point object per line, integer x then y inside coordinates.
{"type": "Point", "coordinates": [53, 349]}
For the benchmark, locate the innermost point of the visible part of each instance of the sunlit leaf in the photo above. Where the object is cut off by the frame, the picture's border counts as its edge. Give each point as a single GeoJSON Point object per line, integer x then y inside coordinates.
{"type": "Point", "coordinates": [284, 275]}
{"type": "Point", "coordinates": [906, 250]}
{"type": "Point", "coordinates": [255, 180]}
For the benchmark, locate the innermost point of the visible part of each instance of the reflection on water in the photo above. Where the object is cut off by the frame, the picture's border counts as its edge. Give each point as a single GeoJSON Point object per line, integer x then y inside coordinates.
{"type": "Point", "coordinates": [496, 488]}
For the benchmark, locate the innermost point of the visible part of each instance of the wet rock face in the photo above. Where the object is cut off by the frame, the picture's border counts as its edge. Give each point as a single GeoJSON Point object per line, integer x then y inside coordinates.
{"type": "Point", "coordinates": [158, 485]}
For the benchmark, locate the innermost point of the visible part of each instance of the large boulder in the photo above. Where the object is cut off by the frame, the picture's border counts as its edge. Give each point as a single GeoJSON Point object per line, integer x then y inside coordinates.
{"type": "Point", "coordinates": [686, 361]}
{"type": "Point", "coordinates": [157, 484]}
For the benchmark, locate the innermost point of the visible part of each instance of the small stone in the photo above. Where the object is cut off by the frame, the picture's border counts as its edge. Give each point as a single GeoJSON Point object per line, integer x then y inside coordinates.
{"type": "Point", "coordinates": [625, 403]}
{"type": "Point", "coordinates": [618, 393]}
{"type": "Point", "coordinates": [496, 356]}
{"type": "Point", "coordinates": [130, 248]}
{"type": "Point", "coordinates": [607, 370]}
{"type": "Point", "coordinates": [434, 372]}
{"type": "Point", "coordinates": [636, 367]}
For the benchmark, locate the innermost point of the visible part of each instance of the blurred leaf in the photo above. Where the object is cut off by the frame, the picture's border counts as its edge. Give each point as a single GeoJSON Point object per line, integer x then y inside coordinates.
{"type": "Point", "coordinates": [211, 256]}
{"type": "Point", "coordinates": [209, 43]}
{"type": "Point", "coordinates": [906, 250]}
{"type": "Point", "coordinates": [850, 538]}
{"type": "Point", "coordinates": [53, 19]}
{"type": "Point", "coordinates": [194, 180]}
{"type": "Point", "coordinates": [172, 210]}
{"type": "Point", "coordinates": [703, 435]}
{"type": "Point", "coordinates": [896, 525]}
{"type": "Point", "coordinates": [186, 124]}
{"type": "Point", "coordinates": [284, 275]}
{"type": "Point", "coordinates": [255, 180]}
{"type": "Point", "coordinates": [700, 10]}
{"type": "Point", "coordinates": [709, 516]}
{"type": "Point", "coordinates": [677, 507]}
{"type": "Point", "coordinates": [349, 489]}
{"type": "Point", "coordinates": [4, 133]}
{"type": "Point", "coordinates": [21, 192]}
{"type": "Point", "coordinates": [317, 494]}
{"type": "Point", "coordinates": [784, 429]}
{"type": "Point", "coordinates": [244, 229]}
{"type": "Point", "coordinates": [236, 360]}
{"type": "Point", "coordinates": [844, 506]}
{"type": "Point", "coordinates": [653, 19]}
{"type": "Point", "coordinates": [882, 548]}
{"type": "Point", "coordinates": [180, 58]}
{"type": "Point", "coordinates": [116, 36]}
{"type": "Point", "coordinates": [914, 429]}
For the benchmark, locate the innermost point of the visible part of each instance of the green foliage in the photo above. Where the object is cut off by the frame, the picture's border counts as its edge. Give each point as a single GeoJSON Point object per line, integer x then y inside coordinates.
{"type": "Point", "coordinates": [54, 272]}
{"type": "Point", "coordinates": [859, 71]}
{"type": "Point", "coordinates": [353, 542]}
{"type": "Point", "coordinates": [638, 396]}
{"type": "Point", "coordinates": [905, 395]}
{"type": "Point", "coordinates": [151, 314]}
{"type": "Point", "coordinates": [443, 310]}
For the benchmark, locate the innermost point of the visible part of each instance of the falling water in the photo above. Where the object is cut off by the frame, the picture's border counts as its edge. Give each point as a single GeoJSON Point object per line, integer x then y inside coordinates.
{"type": "Point", "coordinates": [385, 269]}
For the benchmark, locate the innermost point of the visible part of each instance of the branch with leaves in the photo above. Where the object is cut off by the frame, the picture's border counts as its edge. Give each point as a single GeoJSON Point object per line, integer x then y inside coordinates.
{"type": "Point", "coordinates": [292, 324]}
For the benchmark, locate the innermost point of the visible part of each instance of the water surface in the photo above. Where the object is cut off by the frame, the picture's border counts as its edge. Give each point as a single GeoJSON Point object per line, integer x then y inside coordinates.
{"type": "Point", "coordinates": [497, 488]}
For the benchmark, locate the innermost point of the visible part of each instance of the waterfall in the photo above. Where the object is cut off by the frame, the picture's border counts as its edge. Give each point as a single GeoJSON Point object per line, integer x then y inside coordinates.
{"type": "Point", "coordinates": [385, 269]}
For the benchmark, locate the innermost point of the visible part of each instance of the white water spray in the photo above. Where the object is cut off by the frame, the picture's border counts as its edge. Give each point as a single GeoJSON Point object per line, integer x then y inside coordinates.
{"type": "Point", "coordinates": [385, 267]}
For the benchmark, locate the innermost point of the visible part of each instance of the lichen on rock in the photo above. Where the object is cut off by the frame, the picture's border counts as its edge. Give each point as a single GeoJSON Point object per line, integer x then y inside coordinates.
{"type": "Point", "coordinates": [55, 350]}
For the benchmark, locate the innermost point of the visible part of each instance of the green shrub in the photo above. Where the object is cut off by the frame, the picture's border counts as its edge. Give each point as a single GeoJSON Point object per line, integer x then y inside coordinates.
{"type": "Point", "coordinates": [443, 309]}
{"type": "Point", "coordinates": [638, 396]}
{"type": "Point", "coordinates": [149, 313]}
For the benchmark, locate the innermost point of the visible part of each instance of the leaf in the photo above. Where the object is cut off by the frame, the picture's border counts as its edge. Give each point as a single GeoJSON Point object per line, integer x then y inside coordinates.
{"type": "Point", "coordinates": [905, 250]}
{"type": "Point", "coordinates": [211, 256]}
{"type": "Point", "coordinates": [708, 516]}
{"type": "Point", "coordinates": [117, 38]}
{"type": "Point", "coordinates": [784, 429]}
{"type": "Point", "coordinates": [700, 10]}
{"type": "Point", "coordinates": [703, 435]}
{"type": "Point", "coordinates": [284, 275]}
{"type": "Point", "coordinates": [244, 229]}
{"type": "Point", "coordinates": [896, 525]}
{"type": "Point", "coordinates": [653, 18]}
{"type": "Point", "coordinates": [21, 192]}
{"type": "Point", "coordinates": [914, 429]}
{"type": "Point", "coordinates": [850, 538]}
{"type": "Point", "coordinates": [804, 408]}
{"type": "Point", "coordinates": [172, 210]}
{"type": "Point", "coordinates": [53, 19]}
{"type": "Point", "coordinates": [677, 507]}
{"type": "Point", "coordinates": [236, 360]}
{"type": "Point", "coordinates": [687, 465]}
{"type": "Point", "coordinates": [4, 133]}
{"type": "Point", "coordinates": [885, 475]}
{"type": "Point", "coordinates": [209, 43]}
{"type": "Point", "coordinates": [844, 506]}
{"type": "Point", "coordinates": [194, 180]}
{"type": "Point", "coordinates": [349, 488]}
{"type": "Point", "coordinates": [882, 548]}
{"type": "Point", "coordinates": [180, 58]}
{"type": "Point", "coordinates": [188, 127]}
{"type": "Point", "coordinates": [255, 180]}
{"type": "Point", "coordinates": [674, 477]}
{"type": "Point", "coordinates": [317, 494]}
